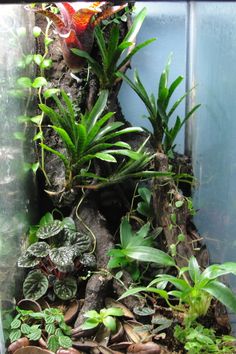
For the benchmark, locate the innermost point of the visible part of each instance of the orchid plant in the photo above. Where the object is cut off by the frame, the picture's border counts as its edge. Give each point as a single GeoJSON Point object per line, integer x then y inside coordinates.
{"type": "Point", "coordinates": [75, 26]}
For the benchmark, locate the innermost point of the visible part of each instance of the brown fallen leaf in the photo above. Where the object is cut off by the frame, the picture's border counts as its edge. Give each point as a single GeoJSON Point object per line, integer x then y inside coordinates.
{"type": "Point", "coordinates": [68, 351]}
{"type": "Point", "coordinates": [109, 302]}
{"type": "Point", "coordinates": [144, 348]}
{"type": "Point", "coordinates": [136, 332]}
{"type": "Point", "coordinates": [33, 350]}
{"type": "Point", "coordinates": [22, 342]}
{"type": "Point", "coordinates": [71, 311]}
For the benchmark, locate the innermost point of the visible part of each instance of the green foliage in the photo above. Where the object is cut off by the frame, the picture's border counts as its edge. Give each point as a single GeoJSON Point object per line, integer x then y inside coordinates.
{"type": "Point", "coordinates": [105, 317]}
{"type": "Point", "coordinates": [136, 246]}
{"type": "Point", "coordinates": [197, 293]}
{"type": "Point", "coordinates": [50, 322]}
{"type": "Point", "coordinates": [61, 245]}
{"type": "Point", "coordinates": [201, 340]}
{"type": "Point", "coordinates": [114, 54]}
{"type": "Point", "coordinates": [89, 137]}
{"type": "Point", "coordinates": [145, 207]}
{"type": "Point", "coordinates": [159, 113]}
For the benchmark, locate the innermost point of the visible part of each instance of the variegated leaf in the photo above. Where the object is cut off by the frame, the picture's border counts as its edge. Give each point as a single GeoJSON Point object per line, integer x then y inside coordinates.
{"type": "Point", "coordinates": [88, 260]}
{"type": "Point", "coordinates": [62, 256]}
{"type": "Point", "coordinates": [65, 289]}
{"type": "Point", "coordinates": [28, 260]}
{"type": "Point", "coordinates": [51, 229]}
{"type": "Point", "coordinates": [39, 249]}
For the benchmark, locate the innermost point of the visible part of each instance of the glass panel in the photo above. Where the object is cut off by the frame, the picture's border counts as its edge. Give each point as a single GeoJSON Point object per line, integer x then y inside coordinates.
{"type": "Point", "coordinates": [214, 151]}
{"type": "Point", "coordinates": [166, 22]}
{"type": "Point", "coordinates": [15, 41]}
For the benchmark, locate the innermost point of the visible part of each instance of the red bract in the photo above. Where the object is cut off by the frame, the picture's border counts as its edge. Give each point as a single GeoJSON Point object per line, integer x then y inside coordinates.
{"type": "Point", "coordinates": [75, 26]}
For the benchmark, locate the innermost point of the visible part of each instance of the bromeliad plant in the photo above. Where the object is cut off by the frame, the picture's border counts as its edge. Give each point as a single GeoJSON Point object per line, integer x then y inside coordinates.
{"type": "Point", "coordinates": [89, 137]}
{"type": "Point", "coordinates": [115, 54]}
{"type": "Point", "coordinates": [196, 291]}
{"type": "Point", "coordinates": [159, 113]}
{"type": "Point", "coordinates": [136, 246]}
{"type": "Point", "coordinates": [48, 324]}
{"type": "Point", "coordinates": [75, 28]}
{"type": "Point", "coordinates": [104, 317]}
{"type": "Point", "coordinates": [52, 258]}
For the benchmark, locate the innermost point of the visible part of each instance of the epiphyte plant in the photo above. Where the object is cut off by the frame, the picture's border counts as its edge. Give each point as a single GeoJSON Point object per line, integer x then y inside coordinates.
{"type": "Point", "coordinates": [115, 53]}
{"type": "Point", "coordinates": [159, 113]}
{"type": "Point", "coordinates": [75, 27]}
{"type": "Point", "coordinates": [88, 137]}
{"type": "Point", "coordinates": [106, 317]}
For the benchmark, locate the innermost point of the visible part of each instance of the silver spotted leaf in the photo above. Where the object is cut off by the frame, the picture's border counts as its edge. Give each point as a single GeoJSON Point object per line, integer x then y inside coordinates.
{"type": "Point", "coordinates": [39, 249]}
{"type": "Point", "coordinates": [62, 256]}
{"type": "Point", "coordinates": [88, 260]}
{"type": "Point", "coordinates": [51, 229]}
{"type": "Point", "coordinates": [83, 244]}
{"type": "Point", "coordinates": [65, 289]}
{"type": "Point", "coordinates": [69, 231]}
{"type": "Point", "coordinates": [35, 285]}
{"type": "Point", "coordinates": [28, 260]}
{"type": "Point", "coordinates": [67, 268]}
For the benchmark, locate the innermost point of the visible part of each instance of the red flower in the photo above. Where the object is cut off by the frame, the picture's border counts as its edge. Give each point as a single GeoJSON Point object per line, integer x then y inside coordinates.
{"type": "Point", "coordinates": [75, 26]}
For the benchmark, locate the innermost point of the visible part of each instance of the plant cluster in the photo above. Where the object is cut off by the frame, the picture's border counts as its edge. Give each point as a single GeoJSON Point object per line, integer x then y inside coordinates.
{"type": "Point", "coordinates": [198, 339]}
{"type": "Point", "coordinates": [106, 317]}
{"type": "Point", "coordinates": [136, 247]}
{"type": "Point", "coordinates": [48, 324]}
{"type": "Point", "coordinates": [193, 289]}
{"type": "Point", "coordinates": [159, 113]}
{"type": "Point", "coordinates": [53, 257]}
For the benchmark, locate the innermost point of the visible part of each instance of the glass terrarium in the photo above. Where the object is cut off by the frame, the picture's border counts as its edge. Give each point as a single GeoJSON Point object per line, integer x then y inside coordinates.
{"type": "Point", "coordinates": [117, 177]}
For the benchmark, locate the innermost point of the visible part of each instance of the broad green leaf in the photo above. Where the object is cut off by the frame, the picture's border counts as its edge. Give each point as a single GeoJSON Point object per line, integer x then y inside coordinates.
{"type": "Point", "coordinates": [50, 328]}
{"type": "Point", "coordinates": [15, 335]}
{"type": "Point", "coordinates": [194, 269]}
{"type": "Point", "coordinates": [126, 233]}
{"type": "Point", "coordinates": [65, 289]}
{"type": "Point", "coordinates": [24, 82]}
{"type": "Point", "coordinates": [114, 311]}
{"type": "Point", "coordinates": [92, 314]}
{"type": "Point", "coordinates": [16, 323]}
{"type": "Point", "coordinates": [65, 342]}
{"type": "Point", "coordinates": [216, 270]}
{"type": "Point", "coordinates": [46, 219]}
{"type": "Point", "coordinates": [38, 59]}
{"type": "Point", "coordinates": [53, 343]}
{"type": "Point", "coordinates": [180, 284]}
{"type": "Point", "coordinates": [35, 285]}
{"type": "Point", "coordinates": [50, 92]}
{"type": "Point", "coordinates": [46, 64]}
{"type": "Point", "coordinates": [35, 335]}
{"type": "Point", "coordinates": [90, 323]}
{"type": "Point", "coordinates": [222, 293]}
{"type": "Point", "coordinates": [25, 328]}
{"type": "Point", "coordinates": [149, 254]}
{"type": "Point", "coordinates": [140, 289]}
{"type": "Point", "coordinates": [39, 82]}
{"type": "Point", "coordinates": [110, 323]}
